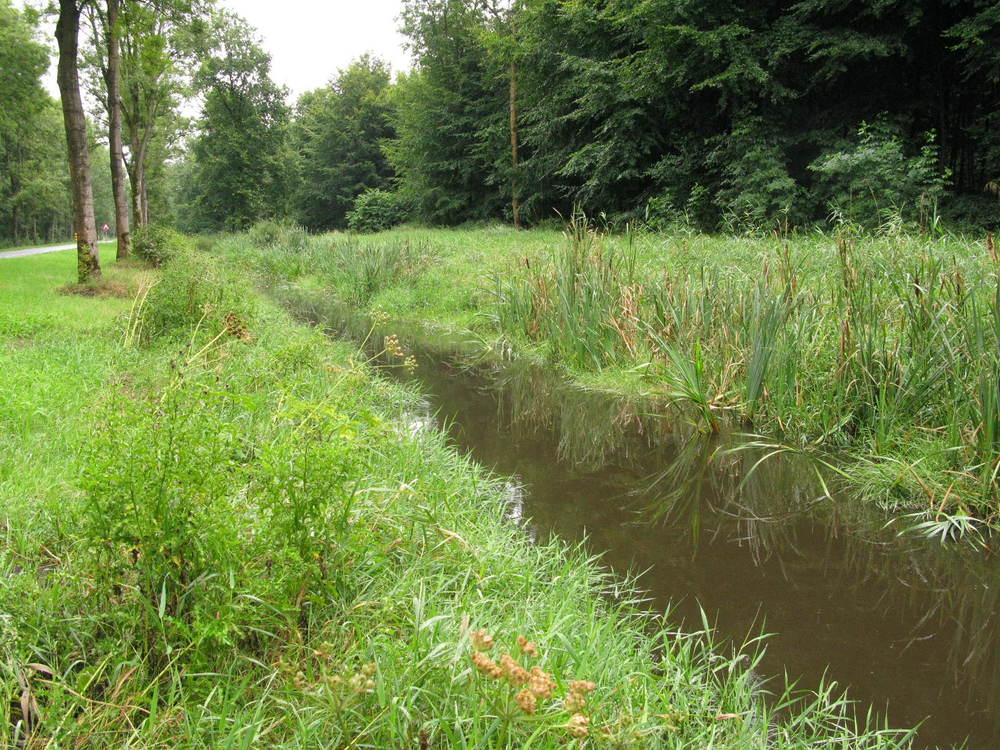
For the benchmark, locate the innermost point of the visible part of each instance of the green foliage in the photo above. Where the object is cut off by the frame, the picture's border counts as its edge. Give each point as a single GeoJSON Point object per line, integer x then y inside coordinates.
{"type": "Point", "coordinates": [34, 189]}
{"type": "Point", "coordinates": [337, 136]}
{"type": "Point", "coordinates": [376, 211]}
{"type": "Point", "coordinates": [873, 179]}
{"type": "Point", "coordinates": [163, 516]}
{"type": "Point", "coordinates": [158, 243]}
{"type": "Point", "coordinates": [270, 234]}
{"type": "Point", "coordinates": [195, 293]}
{"type": "Point", "coordinates": [449, 115]}
{"type": "Point", "coordinates": [242, 163]}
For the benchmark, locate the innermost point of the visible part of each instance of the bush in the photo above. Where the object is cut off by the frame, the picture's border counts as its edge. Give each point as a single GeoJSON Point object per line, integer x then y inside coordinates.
{"type": "Point", "coordinates": [162, 516]}
{"type": "Point", "coordinates": [273, 234]}
{"type": "Point", "coordinates": [158, 243]}
{"type": "Point", "coordinates": [376, 211]}
{"type": "Point", "coordinates": [872, 180]}
{"type": "Point", "coordinates": [195, 291]}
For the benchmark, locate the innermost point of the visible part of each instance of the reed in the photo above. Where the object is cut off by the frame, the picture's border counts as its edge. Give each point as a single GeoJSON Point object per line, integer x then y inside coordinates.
{"type": "Point", "coordinates": [882, 351]}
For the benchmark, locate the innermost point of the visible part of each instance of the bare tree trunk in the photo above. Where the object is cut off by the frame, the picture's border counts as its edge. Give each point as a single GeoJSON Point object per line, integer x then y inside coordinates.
{"type": "Point", "coordinates": [84, 227]}
{"type": "Point", "coordinates": [137, 178]}
{"type": "Point", "coordinates": [118, 177]}
{"type": "Point", "coordinates": [515, 197]}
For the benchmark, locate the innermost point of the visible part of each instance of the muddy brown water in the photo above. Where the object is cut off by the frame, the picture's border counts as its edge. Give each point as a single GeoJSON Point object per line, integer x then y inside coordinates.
{"type": "Point", "coordinates": [908, 626]}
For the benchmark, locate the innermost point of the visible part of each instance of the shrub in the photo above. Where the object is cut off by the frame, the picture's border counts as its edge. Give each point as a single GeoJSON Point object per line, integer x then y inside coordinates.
{"type": "Point", "coordinates": [194, 291]}
{"type": "Point", "coordinates": [873, 180]}
{"type": "Point", "coordinates": [162, 516]}
{"type": "Point", "coordinates": [158, 243]}
{"type": "Point", "coordinates": [274, 234]}
{"type": "Point", "coordinates": [376, 211]}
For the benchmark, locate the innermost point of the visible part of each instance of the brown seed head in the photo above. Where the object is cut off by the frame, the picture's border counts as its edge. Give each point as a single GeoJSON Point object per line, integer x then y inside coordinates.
{"type": "Point", "coordinates": [527, 647]}
{"type": "Point", "coordinates": [577, 725]}
{"type": "Point", "coordinates": [486, 665]}
{"type": "Point", "coordinates": [540, 683]}
{"type": "Point", "coordinates": [516, 674]}
{"type": "Point", "coordinates": [481, 640]}
{"type": "Point", "coordinates": [582, 686]}
{"type": "Point", "coordinates": [527, 701]}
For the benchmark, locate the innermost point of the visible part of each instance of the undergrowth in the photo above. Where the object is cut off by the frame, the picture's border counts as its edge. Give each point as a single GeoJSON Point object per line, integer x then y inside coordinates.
{"type": "Point", "coordinates": [245, 548]}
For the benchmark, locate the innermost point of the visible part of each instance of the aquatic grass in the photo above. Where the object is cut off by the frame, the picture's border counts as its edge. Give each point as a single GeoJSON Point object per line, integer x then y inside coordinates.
{"type": "Point", "coordinates": [877, 348]}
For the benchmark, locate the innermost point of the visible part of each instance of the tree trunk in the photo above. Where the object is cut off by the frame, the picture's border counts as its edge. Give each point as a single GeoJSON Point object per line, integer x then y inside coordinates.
{"type": "Point", "coordinates": [118, 177]}
{"type": "Point", "coordinates": [84, 227]}
{"type": "Point", "coordinates": [515, 198]}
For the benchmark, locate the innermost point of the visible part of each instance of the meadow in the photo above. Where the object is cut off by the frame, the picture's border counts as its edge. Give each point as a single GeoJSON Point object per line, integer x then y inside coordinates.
{"type": "Point", "coordinates": [877, 356]}
{"type": "Point", "coordinates": [217, 532]}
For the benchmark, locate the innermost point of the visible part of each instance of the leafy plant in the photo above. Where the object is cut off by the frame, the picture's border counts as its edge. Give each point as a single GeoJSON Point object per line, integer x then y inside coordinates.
{"type": "Point", "coordinates": [375, 211]}
{"type": "Point", "coordinates": [159, 243]}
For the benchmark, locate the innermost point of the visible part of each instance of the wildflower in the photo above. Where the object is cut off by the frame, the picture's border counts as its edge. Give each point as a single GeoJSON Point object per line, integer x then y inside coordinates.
{"type": "Point", "coordinates": [527, 647]}
{"type": "Point", "coordinates": [486, 665]}
{"type": "Point", "coordinates": [540, 683]}
{"type": "Point", "coordinates": [516, 674]}
{"type": "Point", "coordinates": [582, 686]}
{"type": "Point", "coordinates": [527, 701]}
{"type": "Point", "coordinates": [481, 640]}
{"type": "Point", "coordinates": [577, 725]}
{"type": "Point", "coordinates": [410, 364]}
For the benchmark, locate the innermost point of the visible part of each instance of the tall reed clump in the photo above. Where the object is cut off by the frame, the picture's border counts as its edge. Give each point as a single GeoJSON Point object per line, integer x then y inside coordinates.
{"type": "Point", "coordinates": [583, 302]}
{"type": "Point", "coordinates": [885, 349]}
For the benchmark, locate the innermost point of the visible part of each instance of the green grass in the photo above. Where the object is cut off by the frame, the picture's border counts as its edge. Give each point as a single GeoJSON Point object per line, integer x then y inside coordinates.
{"type": "Point", "coordinates": [883, 351]}
{"type": "Point", "coordinates": [226, 538]}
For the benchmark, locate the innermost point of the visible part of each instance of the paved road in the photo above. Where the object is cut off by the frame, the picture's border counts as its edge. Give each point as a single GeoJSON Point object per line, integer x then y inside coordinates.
{"type": "Point", "coordinates": [35, 251]}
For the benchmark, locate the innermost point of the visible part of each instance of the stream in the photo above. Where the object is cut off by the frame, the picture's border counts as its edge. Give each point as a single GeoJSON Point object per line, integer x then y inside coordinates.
{"type": "Point", "coordinates": [908, 626]}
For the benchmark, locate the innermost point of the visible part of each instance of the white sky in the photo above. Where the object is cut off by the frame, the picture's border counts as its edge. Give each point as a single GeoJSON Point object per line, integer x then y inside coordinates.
{"type": "Point", "coordinates": [309, 40]}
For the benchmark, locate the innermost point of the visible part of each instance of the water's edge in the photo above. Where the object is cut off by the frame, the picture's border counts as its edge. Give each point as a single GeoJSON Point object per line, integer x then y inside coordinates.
{"type": "Point", "coordinates": [904, 623]}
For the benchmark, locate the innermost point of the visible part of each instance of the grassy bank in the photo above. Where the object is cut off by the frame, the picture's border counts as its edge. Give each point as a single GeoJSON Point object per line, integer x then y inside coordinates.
{"type": "Point", "coordinates": [216, 533]}
{"type": "Point", "coordinates": [884, 351]}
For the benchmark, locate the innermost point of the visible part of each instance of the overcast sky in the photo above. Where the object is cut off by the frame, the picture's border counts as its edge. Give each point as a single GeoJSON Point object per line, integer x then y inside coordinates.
{"type": "Point", "coordinates": [309, 40]}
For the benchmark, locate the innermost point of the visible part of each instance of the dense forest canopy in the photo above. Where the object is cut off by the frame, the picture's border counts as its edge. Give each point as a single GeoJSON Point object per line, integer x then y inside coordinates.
{"type": "Point", "coordinates": [720, 115]}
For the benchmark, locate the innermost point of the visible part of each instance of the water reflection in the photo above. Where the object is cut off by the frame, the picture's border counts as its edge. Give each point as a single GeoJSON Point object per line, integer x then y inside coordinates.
{"type": "Point", "coordinates": [911, 627]}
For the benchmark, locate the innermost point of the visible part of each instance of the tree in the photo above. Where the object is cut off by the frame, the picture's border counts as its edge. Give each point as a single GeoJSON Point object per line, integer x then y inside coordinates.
{"type": "Point", "coordinates": [451, 115]}
{"type": "Point", "coordinates": [33, 189]}
{"type": "Point", "coordinates": [107, 28]}
{"type": "Point", "coordinates": [337, 136]}
{"type": "Point", "coordinates": [84, 227]}
{"type": "Point", "coordinates": [242, 162]}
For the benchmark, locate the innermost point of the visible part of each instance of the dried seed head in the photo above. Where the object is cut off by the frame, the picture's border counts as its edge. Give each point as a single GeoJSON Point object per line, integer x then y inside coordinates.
{"type": "Point", "coordinates": [577, 725]}
{"type": "Point", "coordinates": [486, 665]}
{"type": "Point", "coordinates": [527, 647]}
{"type": "Point", "coordinates": [540, 683]}
{"type": "Point", "coordinates": [481, 640]}
{"type": "Point", "coordinates": [527, 701]}
{"type": "Point", "coordinates": [582, 686]}
{"type": "Point", "coordinates": [574, 703]}
{"type": "Point", "coordinates": [516, 674]}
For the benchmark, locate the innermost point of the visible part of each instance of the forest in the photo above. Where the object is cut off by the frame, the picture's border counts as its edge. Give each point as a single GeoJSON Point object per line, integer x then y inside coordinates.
{"type": "Point", "coordinates": [723, 116]}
